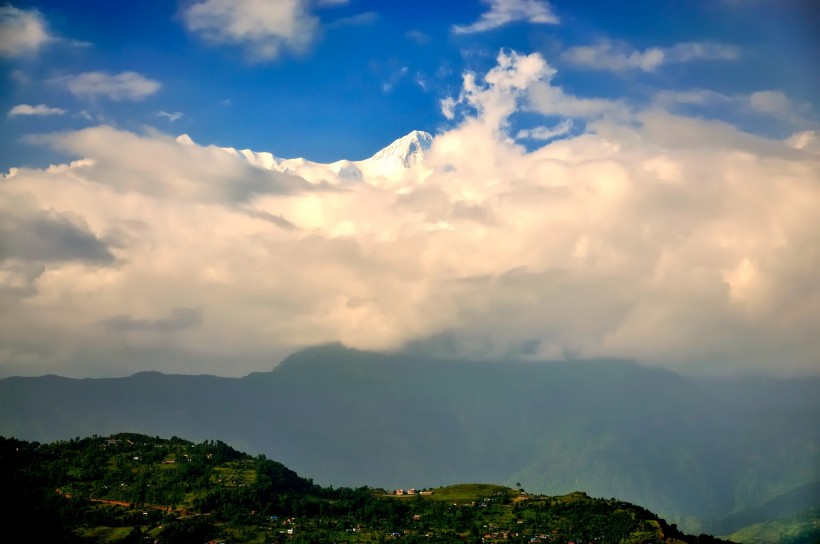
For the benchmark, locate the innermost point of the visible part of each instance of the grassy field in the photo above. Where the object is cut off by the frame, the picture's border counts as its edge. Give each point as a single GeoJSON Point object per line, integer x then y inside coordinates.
{"type": "Point", "coordinates": [471, 492]}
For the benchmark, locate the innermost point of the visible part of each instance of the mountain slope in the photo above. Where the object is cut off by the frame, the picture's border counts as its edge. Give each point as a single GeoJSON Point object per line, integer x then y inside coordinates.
{"type": "Point", "coordinates": [132, 488]}
{"type": "Point", "coordinates": [402, 158]}
{"type": "Point", "coordinates": [693, 449]}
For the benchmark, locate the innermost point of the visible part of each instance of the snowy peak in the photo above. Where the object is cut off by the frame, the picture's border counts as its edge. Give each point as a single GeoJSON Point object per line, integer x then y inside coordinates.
{"type": "Point", "coordinates": [407, 152]}
{"type": "Point", "coordinates": [400, 161]}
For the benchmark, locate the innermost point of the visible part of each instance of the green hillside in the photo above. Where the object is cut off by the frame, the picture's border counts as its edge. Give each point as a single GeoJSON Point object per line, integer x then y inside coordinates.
{"type": "Point", "coordinates": [711, 455]}
{"type": "Point", "coordinates": [133, 488]}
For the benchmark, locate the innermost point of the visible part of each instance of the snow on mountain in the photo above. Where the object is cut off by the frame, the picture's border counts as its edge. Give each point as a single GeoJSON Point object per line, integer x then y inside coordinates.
{"type": "Point", "coordinates": [406, 153]}
{"type": "Point", "coordinates": [402, 159]}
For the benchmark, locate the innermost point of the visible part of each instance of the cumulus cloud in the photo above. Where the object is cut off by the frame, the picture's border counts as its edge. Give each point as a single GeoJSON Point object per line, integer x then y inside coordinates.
{"type": "Point", "coordinates": [618, 57]}
{"type": "Point", "coordinates": [523, 81]}
{"type": "Point", "coordinates": [22, 32]}
{"type": "Point", "coordinates": [129, 86]}
{"type": "Point", "coordinates": [503, 12]}
{"type": "Point", "coordinates": [40, 109]}
{"type": "Point", "coordinates": [496, 95]}
{"type": "Point", "coordinates": [669, 239]}
{"type": "Point", "coordinates": [266, 29]}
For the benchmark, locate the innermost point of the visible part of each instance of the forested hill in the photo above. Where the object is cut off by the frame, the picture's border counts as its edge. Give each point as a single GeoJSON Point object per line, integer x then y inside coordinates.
{"type": "Point", "coordinates": [695, 450]}
{"type": "Point", "coordinates": [132, 488]}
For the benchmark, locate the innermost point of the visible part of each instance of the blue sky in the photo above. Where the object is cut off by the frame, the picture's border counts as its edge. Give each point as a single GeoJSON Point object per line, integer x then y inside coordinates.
{"type": "Point", "coordinates": [366, 72]}
{"type": "Point", "coordinates": [631, 180]}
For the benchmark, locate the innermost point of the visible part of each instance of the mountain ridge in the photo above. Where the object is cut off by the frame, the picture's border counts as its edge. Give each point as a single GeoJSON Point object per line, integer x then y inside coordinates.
{"type": "Point", "coordinates": [688, 447]}
{"type": "Point", "coordinates": [125, 487]}
{"type": "Point", "coordinates": [402, 157]}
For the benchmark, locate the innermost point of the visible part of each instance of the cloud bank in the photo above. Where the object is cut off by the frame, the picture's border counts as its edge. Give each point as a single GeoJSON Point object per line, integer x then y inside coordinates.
{"type": "Point", "coordinates": [643, 234]}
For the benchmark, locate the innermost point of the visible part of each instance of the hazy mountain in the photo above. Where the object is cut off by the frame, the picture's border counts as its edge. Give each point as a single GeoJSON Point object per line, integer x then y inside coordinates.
{"type": "Point", "coordinates": [694, 449]}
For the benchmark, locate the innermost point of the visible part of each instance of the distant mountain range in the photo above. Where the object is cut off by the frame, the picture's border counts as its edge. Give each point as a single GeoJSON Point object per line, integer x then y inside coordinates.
{"type": "Point", "coordinates": [704, 453]}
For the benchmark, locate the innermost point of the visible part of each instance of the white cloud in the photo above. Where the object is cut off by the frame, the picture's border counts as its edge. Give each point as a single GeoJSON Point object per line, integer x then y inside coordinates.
{"type": "Point", "coordinates": [421, 81]}
{"type": "Point", "coordinates": [22, 32]}
{"type": "Point", "coordinates": [394, 79]}
{"type": "Point", "coordinates": [660, 237]}
{"type": "Point", "coordinates": [496, 95]}
{"type": "Point", "coordinates": [40, 109]}
{"type": "Point", "coordinates": [264, 28]}
{"type": "Point", "coordinates": [807, 140]}
{"type": "Point", "coordinates": [448, 107]}
{"type": "Point", "coordinates": [692, 51]}
{"type": "Point", "coordinates": [518, 79]}
{"type": "Point", "coordinates": [175, 116]}
{"type": "Point", "coordinates": [360, 19]}
{"type": "Point", "coordinates": [123, 86]}
{"type": "Point", "coordinates": [773, 103]}
{"type": "Point", "coordinates": [545, 133]}
{"type": "Point", "coordinates": [503, 12]}
{"type": "Point", "coordinates": [698, 97]}
{"type": "Point", "coordinates": [618, 57]}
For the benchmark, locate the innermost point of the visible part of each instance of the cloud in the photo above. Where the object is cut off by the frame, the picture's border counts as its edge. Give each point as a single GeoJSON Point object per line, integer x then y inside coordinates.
{"type": "Point", "coordinates": [503, 12]}
{"type": "Point", "coordinates": [22, 32]}
{"type": "Point", "coordinates": [806, 139]}
{"type": "Point", "coordinates": [177, 115]}
{"type": "Point", "coordinates": [394, 79]}
{"type": "Point", "coordinates": [496, 95]}
{"type": "Point", "coordinates": [128, 86]}
{"type": "Point", "coordinates": [116, 159]}
{"type": "Point", "coordinates": [41, 109]}
{"type": "Point", "coordinates": [618, 57]}
{"type": "Point", "coordinates": [544, 133]}
{"type": "Point", "coordinates": [179, 319]}
{"type": "Point", "coordinates": [644, 234]}
{"type": "Point", "coordinates": [265, 29]}
{"type": "Point", "coordinates": [770, 103]}
{"type": "Point", "coordinates": [32, 234]}
{"type": "Point", "coordinates": [692, 51]}
{"type": "Point", "coordinates": [360, 19]}
{"type": "Point", "coordinates": [773, 103]}
{"type": "Point", "coordinates": [418, 37]}
{"type": "Point", "coordinates": [518, 81]}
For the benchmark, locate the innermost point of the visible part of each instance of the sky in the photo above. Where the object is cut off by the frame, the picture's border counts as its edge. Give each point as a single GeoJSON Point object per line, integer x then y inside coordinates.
{"type": "Point", "coordinates": [633, 180]}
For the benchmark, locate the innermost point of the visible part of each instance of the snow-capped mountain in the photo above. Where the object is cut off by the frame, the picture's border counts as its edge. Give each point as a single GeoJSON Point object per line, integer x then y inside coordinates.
{"type": "Point", "coordinates": [401, 159]}
{"type": "Point", "coordinates": [405, 153]}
